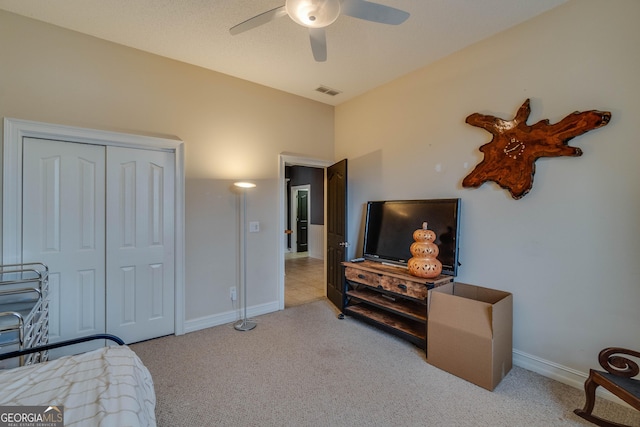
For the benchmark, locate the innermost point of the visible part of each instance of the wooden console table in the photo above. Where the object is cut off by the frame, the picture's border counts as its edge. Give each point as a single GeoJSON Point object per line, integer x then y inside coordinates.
{"type": "Point", "coordinates": [390, 298]}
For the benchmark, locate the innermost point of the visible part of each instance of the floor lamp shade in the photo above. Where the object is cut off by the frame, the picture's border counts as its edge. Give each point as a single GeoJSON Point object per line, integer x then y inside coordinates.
{"type": "Point", "coordinates": [243, 324]}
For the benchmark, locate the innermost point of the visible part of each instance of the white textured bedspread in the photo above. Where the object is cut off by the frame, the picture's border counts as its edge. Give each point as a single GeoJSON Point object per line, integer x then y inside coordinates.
{"type": "Point", "coordinates": [105, 387]}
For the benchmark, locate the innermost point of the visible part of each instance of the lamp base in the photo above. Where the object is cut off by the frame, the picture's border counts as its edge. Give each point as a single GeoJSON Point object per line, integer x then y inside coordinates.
{"type": "Point", "coordinates": [244, 325]}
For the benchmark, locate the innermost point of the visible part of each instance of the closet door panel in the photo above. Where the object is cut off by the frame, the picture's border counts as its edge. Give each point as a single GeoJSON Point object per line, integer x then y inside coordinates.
{"type": "Point", "coordinates": [64, 227]}
{"type": "Point", "coordinates": [140, 266]}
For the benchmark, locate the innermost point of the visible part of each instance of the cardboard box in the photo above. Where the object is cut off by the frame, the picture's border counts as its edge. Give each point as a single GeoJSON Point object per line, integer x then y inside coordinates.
{"type": "Point", "coordinates": [469, 332]}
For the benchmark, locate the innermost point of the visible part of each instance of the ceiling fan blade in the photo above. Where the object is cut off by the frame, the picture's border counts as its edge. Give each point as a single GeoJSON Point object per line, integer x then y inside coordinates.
{"type": "Point", "coordinates": [318, 39]}
{"type": "Point", "coordinates": [258, 20]}
{"type": "Point", "coordinates": [374, 12]}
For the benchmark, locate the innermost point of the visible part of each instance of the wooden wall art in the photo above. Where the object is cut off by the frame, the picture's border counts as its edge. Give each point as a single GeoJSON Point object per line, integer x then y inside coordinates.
{"type": "Point", "coordinates": [509, 158]}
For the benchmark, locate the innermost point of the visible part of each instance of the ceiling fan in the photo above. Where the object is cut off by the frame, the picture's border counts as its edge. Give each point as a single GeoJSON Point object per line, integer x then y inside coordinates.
{"type": "Point", "coordinates": [318, 14]}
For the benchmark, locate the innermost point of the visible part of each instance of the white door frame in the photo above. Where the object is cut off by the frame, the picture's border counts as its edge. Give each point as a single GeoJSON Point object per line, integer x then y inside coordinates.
{"type": "Point", "coordinates": [294, 211]}
{"type": "Point", "coordinates": [290, 160]}
{"type": "Point", "coordinates": [14, 132]}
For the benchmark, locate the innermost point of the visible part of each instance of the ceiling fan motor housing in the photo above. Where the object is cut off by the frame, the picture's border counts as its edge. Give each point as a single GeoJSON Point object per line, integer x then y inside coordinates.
{"type": "Point", "coordinates": [313, 13]}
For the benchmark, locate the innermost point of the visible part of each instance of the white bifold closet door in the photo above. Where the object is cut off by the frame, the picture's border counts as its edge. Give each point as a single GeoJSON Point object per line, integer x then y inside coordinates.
{"type": "Point", "coordinates": [102, 219]}
{"type": "Point", "coordinates": [140, 243]}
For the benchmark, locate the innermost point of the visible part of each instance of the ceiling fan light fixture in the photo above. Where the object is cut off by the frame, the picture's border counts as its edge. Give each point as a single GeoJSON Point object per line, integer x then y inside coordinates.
{"type": "Point", "coordinates": [313, 13]}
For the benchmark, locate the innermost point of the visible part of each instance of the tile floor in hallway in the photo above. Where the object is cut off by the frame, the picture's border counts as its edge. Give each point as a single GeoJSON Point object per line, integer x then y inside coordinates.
{"type": "Point", "coordinates": [303, 280]}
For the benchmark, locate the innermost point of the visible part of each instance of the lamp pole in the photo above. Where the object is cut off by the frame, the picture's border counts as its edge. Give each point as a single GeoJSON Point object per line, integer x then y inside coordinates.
{"type": "Point", "coordinates": [244, 324]}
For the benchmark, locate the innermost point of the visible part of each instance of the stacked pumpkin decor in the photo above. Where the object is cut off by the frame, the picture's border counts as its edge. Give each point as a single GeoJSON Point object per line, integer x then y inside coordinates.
{"type": "Point", "coordinates": [424, 252]}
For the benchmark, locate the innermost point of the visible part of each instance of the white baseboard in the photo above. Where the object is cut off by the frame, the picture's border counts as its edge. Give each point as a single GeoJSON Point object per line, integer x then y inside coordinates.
{"type": "Point", "coordinates": [228, 317]}
{"type": "Point", "coordinates": [549, 369]}
{"type": "Point", "coordinates": [559, 373]}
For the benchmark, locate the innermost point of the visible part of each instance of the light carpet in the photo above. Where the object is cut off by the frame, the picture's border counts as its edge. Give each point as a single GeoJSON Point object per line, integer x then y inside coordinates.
{"type": "Point", "coordinates": [304, 367]}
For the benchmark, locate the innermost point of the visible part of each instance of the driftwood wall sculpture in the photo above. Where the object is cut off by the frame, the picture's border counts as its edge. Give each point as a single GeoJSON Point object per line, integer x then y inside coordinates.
{"type": "Point", "coordinates": [509, 158]}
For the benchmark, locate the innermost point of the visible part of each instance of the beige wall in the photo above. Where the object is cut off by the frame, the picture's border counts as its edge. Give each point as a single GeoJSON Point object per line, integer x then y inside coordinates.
{"type": "Point", "coordinates": [232, 129]}
{"type": "Point", "coordinates": [569, 250]}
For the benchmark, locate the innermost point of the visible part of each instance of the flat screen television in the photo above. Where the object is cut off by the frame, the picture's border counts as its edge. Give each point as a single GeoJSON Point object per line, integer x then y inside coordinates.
{"type": "Point", "coordinates": [390, 224]}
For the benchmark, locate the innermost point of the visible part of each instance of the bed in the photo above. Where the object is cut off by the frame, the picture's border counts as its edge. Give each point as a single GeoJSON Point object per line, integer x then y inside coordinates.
{"type": "Point", "coordinates": [109, 386]}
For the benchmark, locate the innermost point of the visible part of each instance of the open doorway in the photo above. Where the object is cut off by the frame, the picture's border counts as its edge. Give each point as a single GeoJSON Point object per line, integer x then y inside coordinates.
{"type": "Point", "coordinates": [303, 247]}
{"type": "Point", "coordinates": [304, 257]}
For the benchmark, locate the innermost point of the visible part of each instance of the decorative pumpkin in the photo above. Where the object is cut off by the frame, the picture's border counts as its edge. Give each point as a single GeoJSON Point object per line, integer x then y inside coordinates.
{"type": "Point", "coordinates": [424, 262]}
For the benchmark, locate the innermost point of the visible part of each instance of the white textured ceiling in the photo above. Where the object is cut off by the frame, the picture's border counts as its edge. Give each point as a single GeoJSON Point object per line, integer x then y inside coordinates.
{"type": "Point", "coordinates": [361, 55]}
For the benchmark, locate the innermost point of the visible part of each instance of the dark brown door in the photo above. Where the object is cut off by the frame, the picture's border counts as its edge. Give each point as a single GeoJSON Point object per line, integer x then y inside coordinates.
{"type": "Point", "coordinates": [302, 221]}
{"type": "Point", "coordinates": [336, 230]}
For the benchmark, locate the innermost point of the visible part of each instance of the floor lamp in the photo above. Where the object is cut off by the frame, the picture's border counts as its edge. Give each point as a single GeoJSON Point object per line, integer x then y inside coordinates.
{"type": "Point", "coordinates": [244, 324]}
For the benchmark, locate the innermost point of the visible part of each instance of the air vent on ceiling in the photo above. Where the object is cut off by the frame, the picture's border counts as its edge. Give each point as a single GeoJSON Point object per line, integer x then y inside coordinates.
{"type": "Point", "coordinates": [328, 90]}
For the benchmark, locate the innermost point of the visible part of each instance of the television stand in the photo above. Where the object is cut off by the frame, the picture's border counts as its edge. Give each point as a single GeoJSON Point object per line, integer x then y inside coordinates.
{"type": "Point", "coordinates": [389, 298]}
